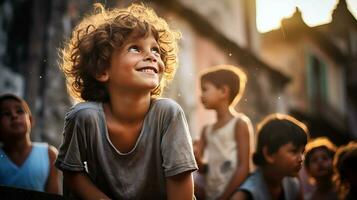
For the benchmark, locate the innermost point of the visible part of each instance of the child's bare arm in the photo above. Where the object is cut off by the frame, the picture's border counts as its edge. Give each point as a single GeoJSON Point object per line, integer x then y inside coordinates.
{"type": "Point", "coordinates": [239, 196]}
{"type": "Point", "coordinates": [242, 138]}
{"type": "Point", "coordinates": [82, 186]}
{"type": "Point", "coordinates": [198, 151]}
{"type": "Point", "coordinates": [180, 187]}
{"type": "Point", "coordinates": [52, 181]}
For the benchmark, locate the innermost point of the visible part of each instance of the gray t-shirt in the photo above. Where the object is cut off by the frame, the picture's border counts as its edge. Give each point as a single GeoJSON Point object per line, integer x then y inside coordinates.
{"type": "Point", "coordinates": [163, 149]}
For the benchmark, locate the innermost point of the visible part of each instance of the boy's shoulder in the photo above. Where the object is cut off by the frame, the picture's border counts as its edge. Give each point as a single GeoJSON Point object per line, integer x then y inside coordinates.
{"type": "Point", "coordinates": [242, 116]}
{"type": "Point", "coordinates": [40, 144]}
{"type": "Point", "coordinates": [256, 185]}
{"type": "Point", "coordinates": [84, 109]}
{"type": "Point", "coordinates": [254, 182]}
{"type": "Point", "coordinates": [253, 179]}
{"type": "Point", "coordinates": [165, 104]}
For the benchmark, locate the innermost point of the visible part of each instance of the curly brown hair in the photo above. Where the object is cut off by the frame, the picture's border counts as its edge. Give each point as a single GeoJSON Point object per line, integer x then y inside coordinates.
{"type": "Point", "coordinates": [97, 36]}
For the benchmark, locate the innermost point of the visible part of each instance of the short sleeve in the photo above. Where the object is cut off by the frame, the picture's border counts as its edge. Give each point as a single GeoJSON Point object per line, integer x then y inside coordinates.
{"type": "Point", "coordinates": [72, 152]}
{"type": "Point", "coordinates": [176, 144]}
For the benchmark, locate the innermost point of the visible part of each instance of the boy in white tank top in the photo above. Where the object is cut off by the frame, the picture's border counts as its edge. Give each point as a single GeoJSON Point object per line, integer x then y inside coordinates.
{"type": "Point", "coordinates": [226, 145]}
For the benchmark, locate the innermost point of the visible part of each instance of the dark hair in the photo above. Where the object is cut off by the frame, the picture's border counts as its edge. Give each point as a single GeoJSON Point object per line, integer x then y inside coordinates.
{"type": "Point", "coordinates": [8, 96]}
{"type": "Point", "coordinates": [96, 37]}
{"type": "Point", "coordinates": [276, 130]}
{"type": "Point", "coordinates": [228, 75]}
{"type": "Point", "coordinates": [345, 162]}
{"type": "Point", "coordinates": [318, 143]}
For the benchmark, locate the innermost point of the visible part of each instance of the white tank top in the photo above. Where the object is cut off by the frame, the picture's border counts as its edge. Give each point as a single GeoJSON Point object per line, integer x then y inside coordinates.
{"type": "Point", "coordinates": [221, 155]}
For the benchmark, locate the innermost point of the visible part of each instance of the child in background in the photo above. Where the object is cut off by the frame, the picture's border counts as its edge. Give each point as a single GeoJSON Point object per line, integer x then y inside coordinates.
{"type": "Point", "coordinates": [345, 162]}
{"type": "Point", "coordinates": [318, 163]}
{"type": "Point", "coordinates": [24, 164]}
{"type": "Point", "coordinates": [229, 141]}
{"type": "Point", "coordinates": [124, 142]}
{"type": "Point", "coordinates": [281, 140]}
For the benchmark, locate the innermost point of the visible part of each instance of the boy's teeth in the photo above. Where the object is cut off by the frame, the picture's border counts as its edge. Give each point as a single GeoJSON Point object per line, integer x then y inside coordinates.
{"type": "Point", "coordinates": [147, 70]}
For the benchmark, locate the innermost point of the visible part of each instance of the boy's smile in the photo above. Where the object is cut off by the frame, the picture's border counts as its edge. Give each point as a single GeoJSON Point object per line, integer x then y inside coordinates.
{"type": "Point", "coordinates": [148, 69]}
{"type": "Point", "coordinates": [137, 65]}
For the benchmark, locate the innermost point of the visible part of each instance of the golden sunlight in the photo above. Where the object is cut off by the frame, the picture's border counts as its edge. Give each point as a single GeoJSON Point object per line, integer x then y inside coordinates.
{"type": "Point", "coordinates": [314, 12]}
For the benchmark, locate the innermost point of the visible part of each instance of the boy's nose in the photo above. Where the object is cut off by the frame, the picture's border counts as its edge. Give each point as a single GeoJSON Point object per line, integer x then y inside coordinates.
{"type": "Point", "coordinates": [13, 115]}
{"type": "Point", "coordinates": [320, 160]}
{"type": "Point", "coordinates": [301, 158]}
{"type": "Point", "coordinates": [150, 57]}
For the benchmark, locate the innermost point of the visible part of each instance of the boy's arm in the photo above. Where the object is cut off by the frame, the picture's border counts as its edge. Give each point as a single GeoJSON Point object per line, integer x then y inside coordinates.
{"type": "Point", "coordinates": [52, 180]}
{"type": "Point", "coordinates": [199, 147]}
{"type": "Point", "coordinates": [239, 196]}
{"type": "Point", "coordinates": [80, 185]}
{"type": "Point", "coordinates": [242, 138]}
{"type": "Point", "coordinates": [180, 186]}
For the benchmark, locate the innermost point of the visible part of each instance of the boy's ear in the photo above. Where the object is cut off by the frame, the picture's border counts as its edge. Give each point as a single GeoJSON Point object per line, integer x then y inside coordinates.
{"type": "Point", "coordinates": [268, 157]}
{"type": "Point", "coordinates": [32, 121]}
{"type": "Point", "coordinates": [103, 76]}
{"type": "Point", "coordinates": [225, 90]}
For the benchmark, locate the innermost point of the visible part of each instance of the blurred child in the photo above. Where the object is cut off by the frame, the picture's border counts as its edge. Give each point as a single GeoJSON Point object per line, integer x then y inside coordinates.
{"type": "Point", "coordinates": [281, 140]}
{"type": "Point", "coordinates": [228, 142]}
{"type": "Point", "coordinates": [318, 163]}
{"type": "Point", "coordinates": [24, 164]}
{"type": "Point", "coordinates": [123, 142]}
{"type": "Point", "coordinates": [345, 162]}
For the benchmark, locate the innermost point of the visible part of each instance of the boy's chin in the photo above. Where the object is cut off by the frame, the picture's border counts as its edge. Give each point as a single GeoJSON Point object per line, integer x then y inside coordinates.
{"type": "Point", "coordinates": [207, 107]}
{"type": "Point", "coordinates": [294, 174]}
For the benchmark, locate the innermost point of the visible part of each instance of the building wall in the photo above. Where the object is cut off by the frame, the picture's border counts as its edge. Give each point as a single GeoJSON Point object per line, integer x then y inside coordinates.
{"type": "Point", "coordinates": [288, 57]}
{"type": "Point", "coordinates": [291, 57]}
{"type": "Point", "coordinates": [335, 74]}
{"type": "Point", "coordinates": [225, 15]}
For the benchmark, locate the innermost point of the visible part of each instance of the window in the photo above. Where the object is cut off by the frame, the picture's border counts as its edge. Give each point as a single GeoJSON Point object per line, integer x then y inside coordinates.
{"type": "Point", "coordinates": [317, 85]}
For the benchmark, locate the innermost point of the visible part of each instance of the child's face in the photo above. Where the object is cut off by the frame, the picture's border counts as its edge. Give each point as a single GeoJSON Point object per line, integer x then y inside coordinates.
{"type": "Point", "coordinates": [136, 66]}
{"type": "Point", "coordinates": [320, 164]}
{"type": "Point", "coordinates": [15, 123]}
{"type": "Point", "coordinates": [288, 159]}
{"type": "Point", "coordinates": [210, 95]}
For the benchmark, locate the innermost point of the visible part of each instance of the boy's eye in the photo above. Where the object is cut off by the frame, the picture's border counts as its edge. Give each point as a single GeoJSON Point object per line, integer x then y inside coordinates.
{"type": "Point", "coordinates": [156, 51]}
{"type": "Point", "coordinates": [295, 150]}
{"type": "Point", "coordinates": [20, 111]}
{"type": "Point", "coordinates": [133, 48]}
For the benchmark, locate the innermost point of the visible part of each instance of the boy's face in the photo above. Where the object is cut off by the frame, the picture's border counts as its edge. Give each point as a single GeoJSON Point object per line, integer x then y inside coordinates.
{"type": "Point", "coordinates": [288, 159]}
{"type": "Point", "coordinates": [15, 123]}
{"type": "Point", "coordinates": [136, 66]}
{"type": "Point", "coordinates": [320, 164]}
{"type": "Point", "coordinates": [210, 95]}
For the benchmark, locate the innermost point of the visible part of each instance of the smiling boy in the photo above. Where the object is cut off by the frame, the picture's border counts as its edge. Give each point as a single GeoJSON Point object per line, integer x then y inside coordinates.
{"type": "Point", "coordinates": [124, 142]}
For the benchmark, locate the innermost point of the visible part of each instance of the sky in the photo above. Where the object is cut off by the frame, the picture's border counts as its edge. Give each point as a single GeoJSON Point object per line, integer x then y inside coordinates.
{"type": "Point", "coordinates": [314, 12]}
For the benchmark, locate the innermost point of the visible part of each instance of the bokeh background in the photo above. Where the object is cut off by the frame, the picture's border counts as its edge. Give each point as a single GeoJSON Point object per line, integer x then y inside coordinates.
{"type": "Point", "coordinates": [300, 57]}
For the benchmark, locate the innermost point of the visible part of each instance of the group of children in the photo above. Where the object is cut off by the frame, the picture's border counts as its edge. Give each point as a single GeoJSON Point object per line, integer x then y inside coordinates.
{"type": "Point", "coordinates": [122, 141]}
